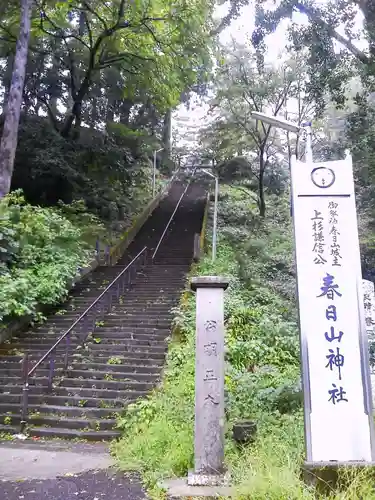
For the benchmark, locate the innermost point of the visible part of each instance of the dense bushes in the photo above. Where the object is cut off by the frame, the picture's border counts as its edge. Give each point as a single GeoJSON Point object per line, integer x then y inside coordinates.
{"type": "Point", "coordinates": [66, 194]}
{"type": "Point", "coordinates": [40, 252]}
{"type": "Point", "coordinates": [103, 170]}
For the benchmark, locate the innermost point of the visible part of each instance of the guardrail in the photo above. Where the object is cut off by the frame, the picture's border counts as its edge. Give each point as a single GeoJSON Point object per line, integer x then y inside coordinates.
{"type": "Point", "coordinates": [87, 321]}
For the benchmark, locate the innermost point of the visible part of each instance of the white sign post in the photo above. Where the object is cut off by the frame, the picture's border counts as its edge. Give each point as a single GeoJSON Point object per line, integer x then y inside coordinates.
{"type": "Point", "coordinates": [334, 348]}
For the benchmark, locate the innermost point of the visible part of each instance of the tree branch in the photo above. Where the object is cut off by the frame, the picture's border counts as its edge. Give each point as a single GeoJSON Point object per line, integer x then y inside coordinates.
{"type": "Point", "coordinates": [94, 13]}
{"type": "Point", "coordinates": [314, 15]}
{"type": "Point", "coordinates": [50, 112]}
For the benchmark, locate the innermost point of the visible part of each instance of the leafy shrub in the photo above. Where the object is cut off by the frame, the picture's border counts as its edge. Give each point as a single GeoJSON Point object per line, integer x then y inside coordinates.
{"type": "Point", "coordinates": [40, 253]}
{"type": "Point", "coordinates": [256, 337]}
{"type": "Point", "coordinates": [50, 168]}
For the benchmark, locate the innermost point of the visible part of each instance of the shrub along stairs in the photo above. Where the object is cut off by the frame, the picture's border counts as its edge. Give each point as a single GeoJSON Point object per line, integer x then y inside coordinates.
{"type": "Point", "coordinates": [123, 355]}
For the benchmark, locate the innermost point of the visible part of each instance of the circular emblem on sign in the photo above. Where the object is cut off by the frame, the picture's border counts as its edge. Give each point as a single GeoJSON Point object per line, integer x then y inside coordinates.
{"type": "Point", "coordinates": [323, 177]}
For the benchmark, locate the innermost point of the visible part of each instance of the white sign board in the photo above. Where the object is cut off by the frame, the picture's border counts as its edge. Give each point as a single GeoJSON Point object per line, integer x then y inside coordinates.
{"type": "Point", "coordinates": [337, 394]}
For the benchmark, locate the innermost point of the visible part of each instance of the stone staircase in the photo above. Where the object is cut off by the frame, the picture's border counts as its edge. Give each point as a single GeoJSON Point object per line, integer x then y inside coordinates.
{"type": "Point", "coordinates": [123, 359]}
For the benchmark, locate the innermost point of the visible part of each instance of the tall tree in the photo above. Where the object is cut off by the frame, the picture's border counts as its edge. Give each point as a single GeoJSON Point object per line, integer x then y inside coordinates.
{"type": "Point", "coordinates": [244, 86]}
{"type": "Point", "coordinates": [9, 137]}
{"type": "Point", "coordinates": [330, 68]}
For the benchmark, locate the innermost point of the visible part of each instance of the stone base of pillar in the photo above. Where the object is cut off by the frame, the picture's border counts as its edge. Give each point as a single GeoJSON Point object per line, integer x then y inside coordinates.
{"type": "Point", "coordinates": [328, 476]}
{"type": "Point", "coordinates": [202, 479]}
{"type": "Point", "coordinates": [179, 488]}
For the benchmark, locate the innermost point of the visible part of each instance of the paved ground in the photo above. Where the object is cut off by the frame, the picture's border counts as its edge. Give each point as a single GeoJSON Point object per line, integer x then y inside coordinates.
{"type": "Point", "coordinates": [62, 471]}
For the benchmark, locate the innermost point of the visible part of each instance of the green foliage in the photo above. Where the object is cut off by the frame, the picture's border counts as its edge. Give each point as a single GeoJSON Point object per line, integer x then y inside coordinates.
{"type": "Point", "coordinates": [245, 148]}
{"type": "Point", "coordinates": [257, 337]}
{"type": "Point", "coordinates": [329, 69]}
{"type": "Point", "coordinates": [103, 174]}
{"type": "Point", "coordinates": [262, 376]}
{"type": "Point", "coordinates": [139, 53]}
{"type": "Point", "coordinates": [41, 252]}
{"type": "Point", "coordinates": [114, 360]}
{"type": "Point", "coordinates": [158, 432]}
{"type": "Point", "coordinates": [262, 362]}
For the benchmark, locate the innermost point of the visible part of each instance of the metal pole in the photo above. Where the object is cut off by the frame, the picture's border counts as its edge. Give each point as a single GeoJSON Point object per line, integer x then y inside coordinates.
{"type": "Point", "coordinates": [214, 234]}
{"type": "Point", "coordinates": [309, 155]}
{"type": "Point", "coordinates": [154, 176]}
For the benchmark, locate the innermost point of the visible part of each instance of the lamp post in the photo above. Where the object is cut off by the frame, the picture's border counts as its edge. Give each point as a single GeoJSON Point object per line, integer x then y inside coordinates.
{"type": "Point", "coordinates": [290, 127]}
{"type": "Point", "coordinates": [214, 233]}
{"type": "Point", "coordinates": [154, 173]}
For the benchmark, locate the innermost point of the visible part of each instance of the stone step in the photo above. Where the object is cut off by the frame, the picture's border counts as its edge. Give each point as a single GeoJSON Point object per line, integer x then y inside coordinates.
{"type": "Point", "coordinates": [100, 363]}
{"type": "Point", "coordinates": [84, 392]}
{"type": "Point", "coordinates": [57, 432]}
{"type": "Point", "coordinates": [105, 383]}
{"type": "Point", "coordinates": [38, 349]}
{"type": "Point", "coordinates": [9, 429]}
{"type": "Point", "coordinates": [12, 409]}
{"type": "Point", "coordinates": [11, 389]}
{"type": "Point", "coordinates": [86, 401]}
{"type": "Point", "coordinates": [122, 312]}
{"type": "Point", "coordinates": [108, 338]}
{"type": "Point", "coordinates": [16, 373]}
{"type": "Point", "coordinates": [140, 321]}
{"type": "Point", "coordinates": [116, 332]}
{"type": "Point", "coordinates": [37, 420]}
{"type": "Point", "coordinates": [16, 398]}
{"type": "Point", "coordinates": [136, 367]}
{"type": "Point", "coordinates": [126, 358]}
{"type": "Point", "coordinates": [104, 340]}
{"type": "Point", "coordinates": [148, 378]}
{"type": "Point", "coordinates": [43, 348]}
{"type": "Point", "coordinates": [153, 309]}
{"type": "Point", "coordinates": [127, 349]}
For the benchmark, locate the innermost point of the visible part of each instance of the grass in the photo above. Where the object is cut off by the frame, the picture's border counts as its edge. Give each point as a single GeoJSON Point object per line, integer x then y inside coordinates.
{"type": "Point", "coordinates": [158, 436]}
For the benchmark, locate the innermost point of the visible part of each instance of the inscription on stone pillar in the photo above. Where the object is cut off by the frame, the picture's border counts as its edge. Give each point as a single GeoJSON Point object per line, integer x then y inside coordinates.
{"type": "Point", "coordinates": [209, 382]}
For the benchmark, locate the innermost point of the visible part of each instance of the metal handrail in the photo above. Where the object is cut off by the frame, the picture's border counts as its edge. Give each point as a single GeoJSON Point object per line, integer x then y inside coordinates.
{"type": "Point", "coordinates": [171, 218]}
{"type": "Point", "coordinates": [107, 294]}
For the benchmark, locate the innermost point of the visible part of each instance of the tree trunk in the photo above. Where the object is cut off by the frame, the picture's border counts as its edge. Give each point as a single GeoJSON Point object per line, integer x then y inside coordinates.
{"type": "Point", "coordinates": [9, 138]}
{"type": "Point", "coordinates": [261, 200]}
{"type": "Point", "coordinates": [94, 115]}
{"type": "Point", "coordinates": [110, 113]}
{"type": "Point", "coordinates": [167, 132]}
{"type": "Point", "coordinates": [54, 87]}
{"type": "Point", "coordinates": [125, 109]}
{"type": "Point", "coordinates": [6, 81]}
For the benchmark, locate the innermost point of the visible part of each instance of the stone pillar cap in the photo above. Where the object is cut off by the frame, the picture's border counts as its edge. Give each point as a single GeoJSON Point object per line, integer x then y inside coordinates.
{"type": "Point", "coordinates": [209, 282]}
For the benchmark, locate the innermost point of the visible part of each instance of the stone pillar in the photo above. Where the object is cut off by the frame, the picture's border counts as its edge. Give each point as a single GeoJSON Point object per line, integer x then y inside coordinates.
{"type": "Point", "coordinates": [369, 306]}
{"type": "Point", "coordinates": [209, 383]}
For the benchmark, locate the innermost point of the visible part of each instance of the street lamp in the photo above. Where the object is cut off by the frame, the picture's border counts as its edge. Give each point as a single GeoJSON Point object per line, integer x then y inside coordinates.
{"type": "Point", "coordinates": [290, 127]}
{"type": "Point", "coordinates": [214, 233]}
{"type": "Point", "coordinates": [154, 173]}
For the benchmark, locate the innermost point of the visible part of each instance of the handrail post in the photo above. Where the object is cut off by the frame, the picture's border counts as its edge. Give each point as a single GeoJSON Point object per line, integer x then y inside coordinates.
{"type": "Point", "coordinates": [25, 391]}
{"type": "Point", "coordinates": [51, 373]}
{"type": "Point", "coordinates": [66, 360]}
